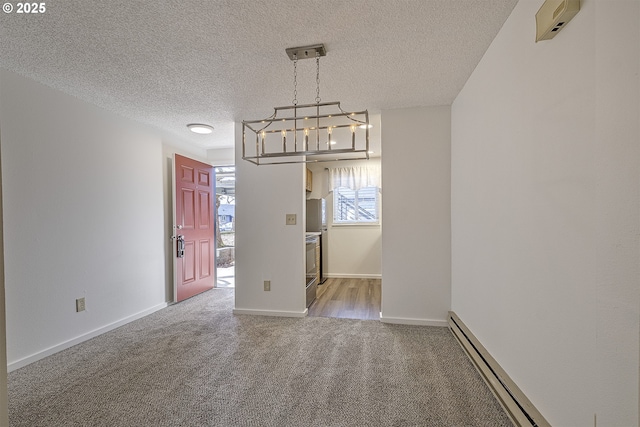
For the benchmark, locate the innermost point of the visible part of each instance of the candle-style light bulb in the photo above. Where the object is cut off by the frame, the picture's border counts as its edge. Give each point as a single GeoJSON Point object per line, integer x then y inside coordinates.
{"type": "Point", "coordinates": [353, 136]}
{"type": "Point", "coordinates": [329, 130]}
{"type": "Point", "coordinates": [264, 134]}
{"type": "Point", "coordinates": [284, 140]}
{"type": "Point", "coordinates": [306, 139]}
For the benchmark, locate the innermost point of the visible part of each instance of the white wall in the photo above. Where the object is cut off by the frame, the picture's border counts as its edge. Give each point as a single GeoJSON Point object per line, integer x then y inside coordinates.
{"type": "Point", "coordinates": [354, 250]}
{"type": "Point", "coordinates": [4, 404]}
{"type": "Point", "coordinates": [545, 189]}
{"type": "Point", "coordinates": [266, 248]}
{"type": "Point", "coordinates": [83, 217]}
{"type": "Point", "coordinates": [416, 250]}
{"type": "Point", "coordinates": [221, 156]}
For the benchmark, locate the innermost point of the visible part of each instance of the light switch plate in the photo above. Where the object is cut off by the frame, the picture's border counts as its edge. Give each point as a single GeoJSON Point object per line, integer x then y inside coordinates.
{"type": "Point", "coordinates": [291, 219]}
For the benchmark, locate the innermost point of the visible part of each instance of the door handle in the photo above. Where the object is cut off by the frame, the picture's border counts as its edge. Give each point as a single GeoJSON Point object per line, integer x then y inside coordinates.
{"type": "Point", "coordinates": [180, 245]}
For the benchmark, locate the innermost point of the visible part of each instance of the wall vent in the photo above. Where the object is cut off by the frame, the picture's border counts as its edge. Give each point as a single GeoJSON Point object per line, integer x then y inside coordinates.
{"type": "Point", "coordinates": [515, 403]}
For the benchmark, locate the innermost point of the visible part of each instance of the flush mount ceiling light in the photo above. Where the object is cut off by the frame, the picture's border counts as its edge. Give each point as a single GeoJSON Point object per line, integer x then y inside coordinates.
{"type": "Point", "coordinates": [319, 132]}
{"type": "Point", "coordinates": [200, 128]}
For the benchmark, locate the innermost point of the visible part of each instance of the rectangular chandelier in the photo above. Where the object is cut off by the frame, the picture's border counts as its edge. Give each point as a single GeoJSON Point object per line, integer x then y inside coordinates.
{"type": "Point", "coordinates": [319, 132]}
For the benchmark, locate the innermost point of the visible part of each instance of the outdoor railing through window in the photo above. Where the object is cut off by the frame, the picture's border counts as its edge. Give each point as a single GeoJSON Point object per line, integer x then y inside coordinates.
{"type": "Point", "coordinates": [355, 205]}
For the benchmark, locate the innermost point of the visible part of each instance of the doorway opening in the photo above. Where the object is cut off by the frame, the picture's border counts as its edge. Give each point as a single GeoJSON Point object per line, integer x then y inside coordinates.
{"type": "Point", "coordinates": [194, 257]}
{"type": "Point", "coordinates": [347, 216]}
{"type": "Point", "coordinates": [225, 225]}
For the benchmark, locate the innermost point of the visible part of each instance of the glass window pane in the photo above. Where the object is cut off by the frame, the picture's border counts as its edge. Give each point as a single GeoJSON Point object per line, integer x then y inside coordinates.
{"type": "Point", "coordinates": [355, 206]}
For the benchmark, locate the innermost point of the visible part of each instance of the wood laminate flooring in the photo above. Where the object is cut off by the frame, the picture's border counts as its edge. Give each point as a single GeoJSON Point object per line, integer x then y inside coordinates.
{"type": "Point", "coordinates": [348, 298]}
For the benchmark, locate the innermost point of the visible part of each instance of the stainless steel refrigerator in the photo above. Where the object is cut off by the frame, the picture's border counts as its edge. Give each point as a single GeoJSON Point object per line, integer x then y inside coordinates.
{"type": "Point", "coordinates": [317, 223]}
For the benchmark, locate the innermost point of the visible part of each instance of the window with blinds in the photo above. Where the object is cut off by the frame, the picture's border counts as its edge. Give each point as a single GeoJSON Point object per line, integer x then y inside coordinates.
{"type": "Point", "coordinates": [355, 206]}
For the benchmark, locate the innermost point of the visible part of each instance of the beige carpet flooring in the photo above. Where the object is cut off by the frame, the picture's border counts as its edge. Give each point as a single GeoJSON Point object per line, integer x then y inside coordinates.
{"type": "Point", "coordinates": [197, 364]}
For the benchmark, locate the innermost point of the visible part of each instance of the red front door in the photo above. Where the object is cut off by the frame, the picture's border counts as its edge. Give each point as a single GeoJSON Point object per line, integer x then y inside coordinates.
{"type": "Point", "coordinates": [194, 248]}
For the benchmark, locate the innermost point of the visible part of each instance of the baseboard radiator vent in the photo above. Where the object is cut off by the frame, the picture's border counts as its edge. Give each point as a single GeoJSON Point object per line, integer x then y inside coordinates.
{"type": "Point", "coordinates": [518, 407]}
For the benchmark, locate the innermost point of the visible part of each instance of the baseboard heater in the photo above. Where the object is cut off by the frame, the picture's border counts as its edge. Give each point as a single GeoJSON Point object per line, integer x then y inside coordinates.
{"type": "Point", "coordinates": [518, 407]}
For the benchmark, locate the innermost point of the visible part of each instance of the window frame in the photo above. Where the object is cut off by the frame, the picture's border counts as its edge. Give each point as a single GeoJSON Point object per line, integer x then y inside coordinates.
{"type": "Point", "coordinates": [357, 222]}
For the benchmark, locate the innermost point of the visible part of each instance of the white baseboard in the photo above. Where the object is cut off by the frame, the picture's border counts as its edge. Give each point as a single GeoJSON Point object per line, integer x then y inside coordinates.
{"type": "Point", "coordinates": [409, 321]}
{"type": "Point", "coordinates": [352, 276]}
{"type": "Point", "coordinates": [12, 366]}
{"type": "Point", "coordinates": [271, 312]}
{"type": "Point", "coordinates": [513, 400]}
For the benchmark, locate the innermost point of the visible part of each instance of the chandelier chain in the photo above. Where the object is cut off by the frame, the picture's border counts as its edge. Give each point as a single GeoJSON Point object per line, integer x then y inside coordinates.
{"type": "Point", "coordinates": [318, 77]}
{"type": "Point", "coordinates": [295, 80]}
{"type": "Point", "coordinates": [309, 131]}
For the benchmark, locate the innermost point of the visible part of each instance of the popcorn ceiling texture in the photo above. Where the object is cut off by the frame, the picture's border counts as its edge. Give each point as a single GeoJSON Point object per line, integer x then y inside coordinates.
{"type": "Point", "coordinates": [169, 63]}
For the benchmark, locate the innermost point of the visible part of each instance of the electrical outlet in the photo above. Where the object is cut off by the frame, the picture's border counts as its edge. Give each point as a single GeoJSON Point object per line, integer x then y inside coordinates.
{"type": "Point", "coordinates": [267, 285]}
{"type": "Point", "coordinates": [291, 219]}
{"type": "Point", "coordinates": [80, 305]}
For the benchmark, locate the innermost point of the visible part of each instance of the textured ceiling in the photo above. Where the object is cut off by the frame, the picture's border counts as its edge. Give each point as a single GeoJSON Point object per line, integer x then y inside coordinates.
{"type": "Point", "coordinates": [169, 63]}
